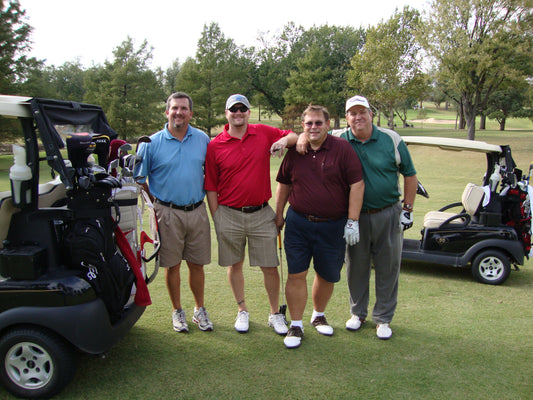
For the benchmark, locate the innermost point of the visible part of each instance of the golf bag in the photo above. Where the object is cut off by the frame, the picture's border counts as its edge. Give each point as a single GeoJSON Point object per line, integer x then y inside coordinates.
{"type": "Point", "coordinates": [90, 239]}
{"type": "Point", "coordinates": [516, 206]}
{"type": "Point", "coordinates": [90, 247]}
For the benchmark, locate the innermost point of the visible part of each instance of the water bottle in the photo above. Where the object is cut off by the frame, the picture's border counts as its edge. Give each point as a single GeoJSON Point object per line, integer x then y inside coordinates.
{"type": "Point", "coordinates": [20, 176]}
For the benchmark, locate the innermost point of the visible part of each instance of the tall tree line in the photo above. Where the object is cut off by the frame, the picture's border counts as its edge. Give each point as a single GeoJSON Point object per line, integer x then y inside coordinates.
{"type": "Point", "coordinates": [473, 54]}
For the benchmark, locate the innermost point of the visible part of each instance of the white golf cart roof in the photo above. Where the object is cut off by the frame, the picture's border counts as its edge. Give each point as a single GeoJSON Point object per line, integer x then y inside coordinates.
{"type": "Point", "coordinates": [15, 106]}
{"type": "Point", "coordinates": [452, 144]}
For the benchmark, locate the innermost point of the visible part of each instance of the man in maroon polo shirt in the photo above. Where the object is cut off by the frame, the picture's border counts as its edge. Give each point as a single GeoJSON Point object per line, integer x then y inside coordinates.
{"type": "Point", "coordinates": [325, 190]}
{"type": "Point", "coordinates": [237, 182]}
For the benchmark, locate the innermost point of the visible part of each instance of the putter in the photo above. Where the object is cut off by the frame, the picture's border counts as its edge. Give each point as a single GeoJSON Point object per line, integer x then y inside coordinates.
{"type": "Point", "coordinates": [283, 307]}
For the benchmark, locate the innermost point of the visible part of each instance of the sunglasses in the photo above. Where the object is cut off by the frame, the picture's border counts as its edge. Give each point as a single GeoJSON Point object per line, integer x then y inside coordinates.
{"type": "Point", "coordinates": [310, 123]}
{"type": "Point", "coordinates": [234, 109]}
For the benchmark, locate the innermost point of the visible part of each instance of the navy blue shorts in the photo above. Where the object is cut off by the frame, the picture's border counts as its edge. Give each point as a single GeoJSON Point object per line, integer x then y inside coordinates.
{"type": "Point", "coordinates": [321, 241]}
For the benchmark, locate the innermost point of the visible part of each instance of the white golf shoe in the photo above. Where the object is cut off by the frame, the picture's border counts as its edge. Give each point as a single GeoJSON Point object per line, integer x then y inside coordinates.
{"type": "Point", "coordinates": [383, 331]}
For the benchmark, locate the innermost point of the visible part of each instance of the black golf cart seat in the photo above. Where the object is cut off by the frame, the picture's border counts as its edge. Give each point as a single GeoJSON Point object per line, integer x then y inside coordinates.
{"type": "Point", "coordinates": [470, 200]}
{"type": "Point", "coordinates": [51, 194]}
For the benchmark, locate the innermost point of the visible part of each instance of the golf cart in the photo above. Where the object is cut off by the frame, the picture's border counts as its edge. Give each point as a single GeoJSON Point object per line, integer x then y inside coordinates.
{"type": "Point", "coordinates": [490, 229]}
{"type": "Point", "coordinates": [72, 278]}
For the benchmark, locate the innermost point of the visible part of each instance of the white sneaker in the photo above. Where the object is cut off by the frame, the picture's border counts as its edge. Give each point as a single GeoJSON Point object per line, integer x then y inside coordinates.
{"type": "Point", "coordinates": [277, 321]}
{"type": "Point", "coordinates": [354, 323]}
{"type": "Point", "coordinates": [179, 323]}
{"type": "Point", "coordinates": [322, 326]}
{"type": "Point", "coordinates": [383, 331]}
{"type": "Point", "coordinates": [242, 322]}
{"type": "Point", "coordinates": [201, 318]}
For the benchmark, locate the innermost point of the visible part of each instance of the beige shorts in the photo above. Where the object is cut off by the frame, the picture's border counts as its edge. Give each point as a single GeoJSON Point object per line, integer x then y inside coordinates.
{"type": "Point", "coordinates": [234, 228]}
{"type": "Point", "coordinates": [185, 235]}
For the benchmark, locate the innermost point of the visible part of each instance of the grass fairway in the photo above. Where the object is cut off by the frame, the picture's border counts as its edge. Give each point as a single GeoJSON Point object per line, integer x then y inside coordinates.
{"type": "Point", "coordinates": [453, 338]}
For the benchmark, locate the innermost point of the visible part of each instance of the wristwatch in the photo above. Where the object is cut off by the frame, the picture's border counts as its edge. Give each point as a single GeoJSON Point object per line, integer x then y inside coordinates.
{"type": "Point", "coordinates": [408, 207]}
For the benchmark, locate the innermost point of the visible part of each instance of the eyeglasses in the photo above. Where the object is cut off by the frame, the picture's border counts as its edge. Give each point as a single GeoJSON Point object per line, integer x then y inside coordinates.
{"type": "Point", "coordinates": [311, 123]}
{"type": "Point", "coordinates": [234, 109]}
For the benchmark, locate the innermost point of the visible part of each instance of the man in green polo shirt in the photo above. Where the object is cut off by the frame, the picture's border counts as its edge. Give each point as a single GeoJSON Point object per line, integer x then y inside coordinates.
{"type": "Point", "coordinates": [383, 219]}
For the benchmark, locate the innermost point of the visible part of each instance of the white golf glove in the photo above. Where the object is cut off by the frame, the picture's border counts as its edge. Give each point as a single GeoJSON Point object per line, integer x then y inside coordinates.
{"type": "Point", "coordinates": [406, 220]}
{"type": "Point", "coordinates": [351, 232]}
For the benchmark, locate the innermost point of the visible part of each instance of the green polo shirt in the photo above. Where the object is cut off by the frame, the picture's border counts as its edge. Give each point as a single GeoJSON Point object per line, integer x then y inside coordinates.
{"type": "Point", "coordinates": [383, 157]}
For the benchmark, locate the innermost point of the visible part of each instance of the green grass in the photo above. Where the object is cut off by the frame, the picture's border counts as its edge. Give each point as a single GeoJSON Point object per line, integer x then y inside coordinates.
{"type": "Point", "coordinates": [453, 337]}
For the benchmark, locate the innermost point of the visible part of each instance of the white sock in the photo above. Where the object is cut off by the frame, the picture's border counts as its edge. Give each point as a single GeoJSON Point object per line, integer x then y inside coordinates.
{"type": "Point", "coordinates": [316, 314]}
{"type": "Point", "coordinates": [297, 323]}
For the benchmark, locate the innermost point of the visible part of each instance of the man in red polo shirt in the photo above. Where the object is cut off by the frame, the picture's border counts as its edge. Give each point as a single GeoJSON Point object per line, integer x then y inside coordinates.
{"type": "Point", "coordinates": [237, 182]}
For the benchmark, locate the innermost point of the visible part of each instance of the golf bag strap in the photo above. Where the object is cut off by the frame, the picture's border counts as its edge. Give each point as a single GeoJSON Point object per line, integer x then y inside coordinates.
{"type": "Point", "coordinates": [142, 295]}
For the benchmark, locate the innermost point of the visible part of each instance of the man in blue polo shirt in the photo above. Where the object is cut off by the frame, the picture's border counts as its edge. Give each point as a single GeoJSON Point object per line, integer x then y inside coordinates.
{"type": "Point", "coordinates": [173, 162]}
{"type": "Point", "coordinates": [383, 219]}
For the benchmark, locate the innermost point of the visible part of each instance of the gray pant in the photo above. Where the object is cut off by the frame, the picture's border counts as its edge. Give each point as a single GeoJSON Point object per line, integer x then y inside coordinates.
{"type": "Point", "coordinates": [380, 245]}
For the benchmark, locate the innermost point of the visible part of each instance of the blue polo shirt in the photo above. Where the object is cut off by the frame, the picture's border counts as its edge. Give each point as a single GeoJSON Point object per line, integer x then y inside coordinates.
{"type": "Point", "coordinates": [174, 168]}
{"type": "Point", "coordinates": [384, 157]}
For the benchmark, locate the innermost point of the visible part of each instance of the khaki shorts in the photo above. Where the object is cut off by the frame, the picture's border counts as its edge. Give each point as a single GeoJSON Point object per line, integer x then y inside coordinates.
{"type": "Point", "coordinates": [234, 228]}
{"type": "Point", "coordinates": [185, 235]}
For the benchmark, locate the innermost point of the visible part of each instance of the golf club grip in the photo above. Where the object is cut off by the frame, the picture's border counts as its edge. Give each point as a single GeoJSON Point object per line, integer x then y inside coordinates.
{"type": "Point", "coordinates": [279, 240]}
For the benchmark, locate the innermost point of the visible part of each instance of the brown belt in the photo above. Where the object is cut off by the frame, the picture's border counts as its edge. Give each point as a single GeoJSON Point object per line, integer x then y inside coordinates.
{"type": "Point", "coordinates": [314, 218]}
{"type": "Point", "coordinates": [249, 209]}
{"type": "Point", "coordinates": [375, 210]}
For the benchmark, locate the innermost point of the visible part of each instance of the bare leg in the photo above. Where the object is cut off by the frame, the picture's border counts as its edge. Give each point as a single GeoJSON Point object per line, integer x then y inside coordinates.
{"type": "Point", "coordinates": [196, 283]}
{"type": "Point", "coordinates": [271, 277]}
{"type": "Point", "coordinates": [322, 291]}
{"type": "Point", "coordinates": [296, 294]}
{"type": "Point", "coordinates": [173, 281]}
{"type": "Point", "coordinates": [236, 281]}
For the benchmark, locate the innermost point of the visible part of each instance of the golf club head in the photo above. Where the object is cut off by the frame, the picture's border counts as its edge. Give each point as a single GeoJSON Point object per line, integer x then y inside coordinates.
{"type": "Point", "coordinates": [113, 165]}
{"type": "Point", "coordinates": [123, 150]}
{"type": "Point", "coordinates": [421, 190]}
{"type": "Point", "coordinates": [142, 139]}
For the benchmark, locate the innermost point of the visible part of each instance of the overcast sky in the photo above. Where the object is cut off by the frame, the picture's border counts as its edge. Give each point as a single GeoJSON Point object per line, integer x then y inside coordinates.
{"type": "Point", "coordinates": [90, 29]}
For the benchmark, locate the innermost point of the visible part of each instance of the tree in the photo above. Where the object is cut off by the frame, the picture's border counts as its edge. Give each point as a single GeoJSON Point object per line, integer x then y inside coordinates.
{"type": "Point", "coordinates": [128, 91]}
{"type": "Point", "coordinates": [477, 45]}
{"type": "Point", "coordinates": [67, 80]}
{"type": "Point", "coordinates": [272, 63]}
{"type": "Point", "coordinates": [170, 76]}
{"type": "Point", "coordinates": [388, 68]}
{"type": "Point", "coordinates": [14, 45]}
{"type": "Point", "coordinates": [509, 102]}
{"type": "Point", "coordinates": [280, 65]}
{"type": "Point", "coordinates": [337, 46]}
{"type": "Point", "coordinates": [215, 74]}
{"type": "Point", "coordinates": [310, 82]}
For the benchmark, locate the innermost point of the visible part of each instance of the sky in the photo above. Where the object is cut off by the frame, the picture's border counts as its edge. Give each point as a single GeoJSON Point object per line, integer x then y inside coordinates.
{"type": "Point", "coordinates": [67, 30]}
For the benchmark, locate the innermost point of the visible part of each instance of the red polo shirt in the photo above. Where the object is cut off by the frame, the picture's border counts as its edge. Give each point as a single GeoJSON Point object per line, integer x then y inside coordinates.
{"type": "Point", "coordinates": [239, 169]}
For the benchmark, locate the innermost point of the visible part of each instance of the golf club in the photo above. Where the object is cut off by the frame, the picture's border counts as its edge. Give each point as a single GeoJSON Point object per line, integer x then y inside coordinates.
{"type": "Point", "coordinates": [123, 151]}
{"type": "Point", "coordinates": [283, 306]}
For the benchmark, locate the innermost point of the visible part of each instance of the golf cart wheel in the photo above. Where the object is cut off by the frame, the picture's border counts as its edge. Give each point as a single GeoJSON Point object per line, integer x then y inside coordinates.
{"type": "Point", "coordinates": [36, 364]}
{"type": "Point", "coordinates": [491, 267]}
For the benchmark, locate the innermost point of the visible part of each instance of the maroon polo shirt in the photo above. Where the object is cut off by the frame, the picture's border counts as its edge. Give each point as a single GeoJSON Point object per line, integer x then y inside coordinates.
{"type": "Point", "coordinates": [321, 179]}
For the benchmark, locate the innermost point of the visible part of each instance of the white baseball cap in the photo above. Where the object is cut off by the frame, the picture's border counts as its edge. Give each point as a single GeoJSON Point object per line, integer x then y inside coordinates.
{"type": "Point", "coordinates": [357, 101]}
{"type": "Point", "coordinates": [235, 99]}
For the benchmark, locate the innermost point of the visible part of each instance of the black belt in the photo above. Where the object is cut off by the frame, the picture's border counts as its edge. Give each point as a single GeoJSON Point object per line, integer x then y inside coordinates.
{"type": "Point", "coordinates": [376, 210]}
{"type": "Point", "coordinates": [190, 207]}
{"type": "Point", "coordinates": [249, 209]}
